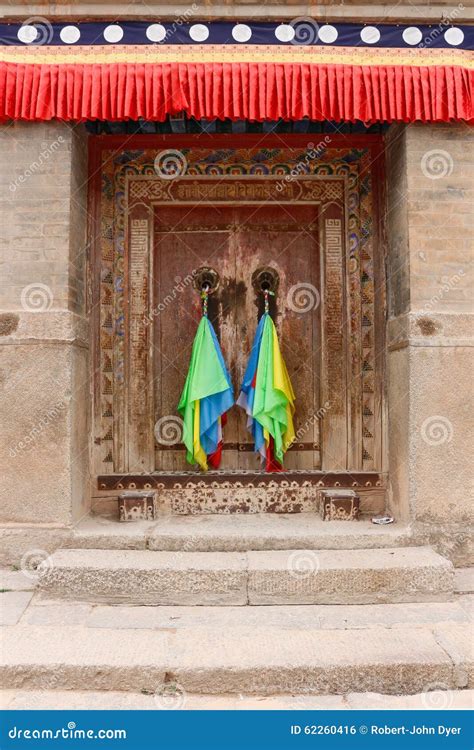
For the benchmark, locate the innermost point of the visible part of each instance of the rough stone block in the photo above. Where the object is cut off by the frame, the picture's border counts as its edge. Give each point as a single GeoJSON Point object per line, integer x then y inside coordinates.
{"type": "Point", "coordinates": [349, 576]}
{"type": "Point", "coordinates": [144, 577]}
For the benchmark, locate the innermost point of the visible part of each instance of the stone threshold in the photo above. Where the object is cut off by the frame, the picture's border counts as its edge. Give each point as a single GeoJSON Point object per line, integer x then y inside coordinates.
{"type": "Point", "coordinates": [237, 532]}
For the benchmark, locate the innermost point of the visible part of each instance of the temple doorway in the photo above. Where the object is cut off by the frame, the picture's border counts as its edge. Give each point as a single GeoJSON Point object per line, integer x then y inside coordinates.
{"type": "Point", "coordinates": [256, 213]}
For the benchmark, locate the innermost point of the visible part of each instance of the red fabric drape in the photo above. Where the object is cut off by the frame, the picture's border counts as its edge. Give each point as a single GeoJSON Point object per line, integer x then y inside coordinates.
{"type": "Point", "coordinates": [257, 91]}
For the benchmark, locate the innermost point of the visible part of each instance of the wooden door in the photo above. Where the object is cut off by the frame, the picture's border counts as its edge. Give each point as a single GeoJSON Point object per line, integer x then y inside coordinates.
{"type": "Point", "coordinates": [237, 242]}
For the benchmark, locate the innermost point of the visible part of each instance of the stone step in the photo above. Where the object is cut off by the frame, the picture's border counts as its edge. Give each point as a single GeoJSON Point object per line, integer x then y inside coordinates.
{"type": "Point", "coordinates": [41, 611]}
{"type": "Point", "coordinates": [257, 578]}
{"type": "Point", "coordinates": [237, 533]}
{"type": "Point", "coordinates": [253, 661]}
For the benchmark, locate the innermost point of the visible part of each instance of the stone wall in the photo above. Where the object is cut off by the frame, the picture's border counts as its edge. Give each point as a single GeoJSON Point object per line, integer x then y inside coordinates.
{"type": "Point", "coordinates": [43, 324]}
{"type": "Point", "coordinates": [430, 210]}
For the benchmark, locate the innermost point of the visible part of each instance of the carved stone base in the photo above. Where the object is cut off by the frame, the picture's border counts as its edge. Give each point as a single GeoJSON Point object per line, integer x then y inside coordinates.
{"type": "Point", "coordinates": [136, 506]}
{"type": "Point", "coordinates": [339, 505]}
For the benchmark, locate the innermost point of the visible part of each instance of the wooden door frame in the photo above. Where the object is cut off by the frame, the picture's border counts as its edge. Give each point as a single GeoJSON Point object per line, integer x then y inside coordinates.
{"type": "Point", "coordinates": [117, 144]}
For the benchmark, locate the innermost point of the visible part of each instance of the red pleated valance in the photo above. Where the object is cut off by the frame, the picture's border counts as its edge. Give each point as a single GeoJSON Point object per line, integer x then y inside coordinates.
{"type": "Point", "coordinates": [235, 90]}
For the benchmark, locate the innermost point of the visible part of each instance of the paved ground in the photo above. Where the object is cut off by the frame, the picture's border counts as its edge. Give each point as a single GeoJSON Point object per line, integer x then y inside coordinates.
{"type": "Point", "coordinates": [75, 699]}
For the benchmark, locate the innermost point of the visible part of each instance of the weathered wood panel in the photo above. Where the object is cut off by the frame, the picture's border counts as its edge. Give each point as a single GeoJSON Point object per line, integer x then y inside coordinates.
{"type": "Point", "coordinates": [334, 349]}
{"type": "Point", "coordinates": [236, 241]}
{"type": "Point", "coordinates": [139, 370]}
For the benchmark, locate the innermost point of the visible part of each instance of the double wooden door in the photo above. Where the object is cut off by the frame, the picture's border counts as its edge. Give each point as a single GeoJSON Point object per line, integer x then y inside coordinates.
{"type": "Point", "coordinates": [241, 248]}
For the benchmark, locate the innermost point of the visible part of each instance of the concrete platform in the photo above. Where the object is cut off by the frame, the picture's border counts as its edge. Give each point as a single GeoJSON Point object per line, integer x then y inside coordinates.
{"type": "Point", "coordinates": [269, 577]}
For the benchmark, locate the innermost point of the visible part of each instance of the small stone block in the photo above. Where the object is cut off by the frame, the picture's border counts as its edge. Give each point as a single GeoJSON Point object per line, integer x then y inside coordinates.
{"type": "Point", "coordinates": [339, 505]}
{"type": "Point", "coordinates": [136, 506]}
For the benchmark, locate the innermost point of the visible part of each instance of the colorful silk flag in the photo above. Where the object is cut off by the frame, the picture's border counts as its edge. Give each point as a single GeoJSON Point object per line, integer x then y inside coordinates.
{"type": "Point", "coordinates": [267, 396]}
{"type": "Point", "coordinates": [207, 395]}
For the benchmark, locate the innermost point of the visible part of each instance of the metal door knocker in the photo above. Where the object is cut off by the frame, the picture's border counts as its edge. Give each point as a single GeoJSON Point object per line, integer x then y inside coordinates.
{"type": "Point", "coordinates": [206, 280]}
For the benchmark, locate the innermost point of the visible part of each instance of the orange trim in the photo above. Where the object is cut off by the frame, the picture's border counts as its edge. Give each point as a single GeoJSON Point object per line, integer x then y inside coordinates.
{"type": "Point", "coordinates": [101, 54]}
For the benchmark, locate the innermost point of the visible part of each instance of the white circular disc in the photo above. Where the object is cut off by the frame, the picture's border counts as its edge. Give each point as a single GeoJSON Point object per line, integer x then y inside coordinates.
{"type": "Point", "coordinates": [70, 34]}
{"type": "Point", "coordinates": [113, 33]}
{"type": "Point", "coordinates": [327, 33]}
{"type": "Point", "coordinates": [412, 35]}
{"type": "Point", "coordinates": [156, 32]}
{"type": "Point", "coordinates": [370, 35]}
{"type": "Point", "coordinates": [454, 36]}
{"type": "Point", "coordinates": [27, 34]}
{"type": "Point", "coordinates": [241, 32]}
{"type": "Point", "coordinates": [199, 32]}
{"type": "Point", "coordinates": [285, 33]}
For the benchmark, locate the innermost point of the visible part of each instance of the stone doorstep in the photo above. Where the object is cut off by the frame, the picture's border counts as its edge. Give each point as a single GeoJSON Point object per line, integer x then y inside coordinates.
{"type": "Point", "coordinates": [232, 578]}
{"type": "Point", "coordinates": [455, 700]}
{"type": "Point", "coordinates": [253, 661]}
{"type": "Point", "coordinates": [221, 533]}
